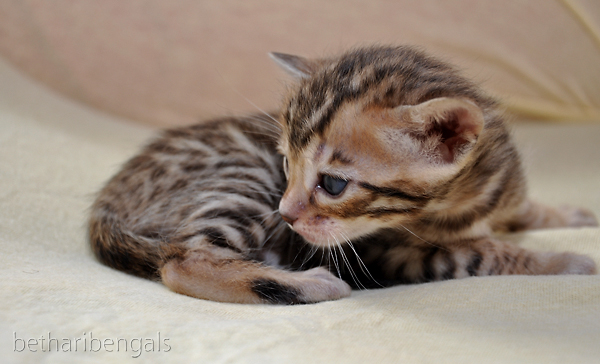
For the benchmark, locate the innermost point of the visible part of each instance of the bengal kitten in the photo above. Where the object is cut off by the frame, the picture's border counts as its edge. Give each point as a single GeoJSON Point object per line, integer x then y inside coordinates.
{"type": "Point", "coordinates": [398, 170]}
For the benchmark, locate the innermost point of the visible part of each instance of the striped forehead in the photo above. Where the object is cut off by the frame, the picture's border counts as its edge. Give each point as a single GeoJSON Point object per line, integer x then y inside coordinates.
{"type": "Point", "coordinates": [394, 76]}
{"type": "Point", "coordinates": [382, 76]}
{"type": "Point", "coordinates": [311, 110]}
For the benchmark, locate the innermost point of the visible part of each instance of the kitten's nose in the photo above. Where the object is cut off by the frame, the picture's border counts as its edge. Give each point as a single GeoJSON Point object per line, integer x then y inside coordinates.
{"type": "Point", "coordinates": [289, 220]}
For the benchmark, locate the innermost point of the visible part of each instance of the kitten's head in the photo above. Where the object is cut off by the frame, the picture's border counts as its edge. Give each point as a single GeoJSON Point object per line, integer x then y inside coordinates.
{"type": "Point", "coordinates": [369, 137]}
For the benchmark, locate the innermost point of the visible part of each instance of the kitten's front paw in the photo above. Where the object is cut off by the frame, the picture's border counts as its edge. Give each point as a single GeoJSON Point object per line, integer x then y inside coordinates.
{"type": "Point", "coordinates": [569, 263]}
{"type": "Point", "coordinates": [578, 217]}
{"type": "Point", "coordinates": [318, 284]}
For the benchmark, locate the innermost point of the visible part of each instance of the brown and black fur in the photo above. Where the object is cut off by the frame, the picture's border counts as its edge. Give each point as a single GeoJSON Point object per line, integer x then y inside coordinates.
{"type": "Point", "coordinates": [430, 174]}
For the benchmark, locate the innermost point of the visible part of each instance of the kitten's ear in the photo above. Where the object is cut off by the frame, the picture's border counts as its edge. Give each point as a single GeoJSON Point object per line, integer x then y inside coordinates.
{"type": "Point", "coordinates": [298, 67]}
{"type": "Point", "coordinates": [448, 126]}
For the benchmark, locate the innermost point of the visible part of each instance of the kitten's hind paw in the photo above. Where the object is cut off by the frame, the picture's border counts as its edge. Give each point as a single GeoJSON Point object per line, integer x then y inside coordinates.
{"type": "Point", "coordinates": [578, 217]}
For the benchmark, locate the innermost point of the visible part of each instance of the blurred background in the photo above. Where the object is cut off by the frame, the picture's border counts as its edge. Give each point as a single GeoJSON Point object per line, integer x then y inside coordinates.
{"type": "Point", "coordinates": [176, 62]}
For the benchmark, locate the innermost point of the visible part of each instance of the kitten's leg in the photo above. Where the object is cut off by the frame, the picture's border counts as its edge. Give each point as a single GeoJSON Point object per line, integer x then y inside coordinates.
{"type": "Point", "coordinates": [219, 274]}
{"type": "Point", "coordinates": [483, 257]}
{"type": "Point", "coordinates": [534, 215]}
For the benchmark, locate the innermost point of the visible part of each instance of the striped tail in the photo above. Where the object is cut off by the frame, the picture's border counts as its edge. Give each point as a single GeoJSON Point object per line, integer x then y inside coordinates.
{"type": "Point", "coordinates": [123, 250]}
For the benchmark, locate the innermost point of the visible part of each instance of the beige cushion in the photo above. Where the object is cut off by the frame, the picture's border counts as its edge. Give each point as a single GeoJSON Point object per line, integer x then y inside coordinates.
{"type": "Point", "coordinates": [174, 62]}
{"type": "Point", "coordinates": [55, 154]}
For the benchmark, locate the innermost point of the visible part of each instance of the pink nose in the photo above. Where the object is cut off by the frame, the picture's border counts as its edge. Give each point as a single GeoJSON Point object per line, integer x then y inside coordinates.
{"type": "Point", "coordinates": [289, 220]}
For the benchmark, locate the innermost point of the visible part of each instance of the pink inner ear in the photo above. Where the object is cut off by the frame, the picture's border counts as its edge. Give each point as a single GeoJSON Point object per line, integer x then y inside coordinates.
{"type": "Point", "coordinates": [449, 148]}
{"type": "Point", "coordinates": [454, 129]}
{"type": "Point", "coordinates": [445, 152]}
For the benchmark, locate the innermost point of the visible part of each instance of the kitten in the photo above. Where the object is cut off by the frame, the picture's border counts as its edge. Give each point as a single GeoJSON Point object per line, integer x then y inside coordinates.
{"type": "Point", "coordinates": [398, 170]}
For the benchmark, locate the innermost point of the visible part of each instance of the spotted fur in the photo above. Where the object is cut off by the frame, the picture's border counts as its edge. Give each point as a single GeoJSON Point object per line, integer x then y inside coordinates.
{"type": "Point", "coordinates": [425, 164]}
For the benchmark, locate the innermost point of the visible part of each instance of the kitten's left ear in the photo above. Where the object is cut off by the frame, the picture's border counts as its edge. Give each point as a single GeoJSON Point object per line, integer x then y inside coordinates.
{"type": "Point", "coordinates": [449, 126]}
{"type": "Point", "coordinates": [297, 66]}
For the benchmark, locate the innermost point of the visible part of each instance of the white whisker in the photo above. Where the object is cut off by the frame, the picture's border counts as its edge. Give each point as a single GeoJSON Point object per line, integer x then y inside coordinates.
{"type": "Point", "coordinates": [361, 264]}
{"type": "Point", "coordinates": [333, 254]}
{"type": "Point", "coordinates": [266, 128]}
{"type": "Point", "coordinates": [347, 262]}
{"type": "Point", "coordinates": [323, 256]}
{"type": "Point", "coordinates": [311, 254]}
{"type": "Point", "coordinates": [274, 127]}
{"type": "Point", "coordinates": [423, 240]}
{"type": "Point", "coordinates": [273, 135]}
{"type": "Point", "coordinates": [275, 231]}
{"type": "Point", "coordinates": [247, 99]}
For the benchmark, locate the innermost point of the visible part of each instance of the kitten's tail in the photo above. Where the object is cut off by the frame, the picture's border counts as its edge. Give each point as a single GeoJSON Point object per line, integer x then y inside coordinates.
{"type": "Point", "coordinates": [124, 250]}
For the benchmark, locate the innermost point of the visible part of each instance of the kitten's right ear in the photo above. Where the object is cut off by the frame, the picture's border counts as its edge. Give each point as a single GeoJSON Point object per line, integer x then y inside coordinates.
{"type": "Point", "coordinates": [298, 67]}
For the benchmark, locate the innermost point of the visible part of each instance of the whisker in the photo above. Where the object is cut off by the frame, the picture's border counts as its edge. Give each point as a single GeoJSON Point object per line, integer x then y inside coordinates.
{"type": "Point", "coordinates": [347, 262]}
{"type": "Point", "coordinates": [261, 110]}
{"type": "Point", "coordinates": [247, 99]}
{"type": "Point", "coordinates": [264, 128]}
{"type": "Point", "coordinates": [266, 123]}
{"type": "Point", "coordinates": [297, 255]}
{"type": "Point", "coordinates": [267, 214]}
{"type": "Point", "coordinates": [273, 135]}
{"type": "Point", "coordinates": [423, 240]}
{"type": "Point", "coordinates": [263, 192]}
{"type": "Point", "coordinates": [311, 254]}
{"type": "Point", "coordinates": [275, 231]}
{"type": "Point", "coordinates": [333, 254]}
{"type": "Point", "coordinates": [361, 264]}
{"type": "Point", "coordinates": [323, 256]}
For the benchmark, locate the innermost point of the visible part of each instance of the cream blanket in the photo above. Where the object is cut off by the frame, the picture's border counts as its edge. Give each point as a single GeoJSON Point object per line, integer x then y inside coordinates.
{"type": "Point", "coordinates": [59, 305]}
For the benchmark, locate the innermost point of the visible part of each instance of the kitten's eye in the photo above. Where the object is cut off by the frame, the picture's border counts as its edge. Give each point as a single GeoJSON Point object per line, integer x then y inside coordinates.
{"type": "Point", "coordinates": [286, 167]}
{"type": "Point", "coordinates": [334, 186]}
